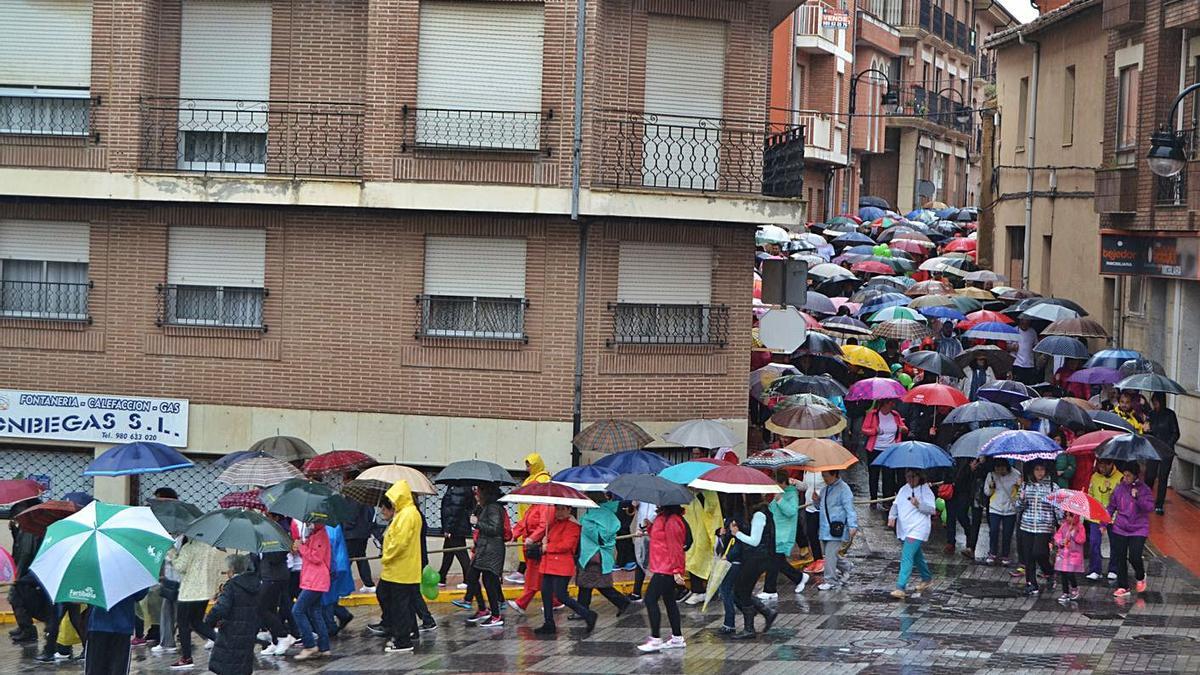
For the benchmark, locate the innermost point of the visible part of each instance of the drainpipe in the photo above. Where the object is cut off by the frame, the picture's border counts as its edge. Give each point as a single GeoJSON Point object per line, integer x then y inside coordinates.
{"type": "Point", "coordinates": [1030, 154]}
{"type": "Point", "coordinates": [576, 177]}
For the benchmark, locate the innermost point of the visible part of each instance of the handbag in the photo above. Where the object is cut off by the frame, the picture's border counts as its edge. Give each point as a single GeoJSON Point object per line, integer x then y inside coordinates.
{"type": "Point", "coordinates": [533, 550]}
{"type": "Point", "coordinates": [168, 589]}
{"type": "Point", "coordinates": [837, 528]}
{"type": "Point", "coordinates": [946, 491]}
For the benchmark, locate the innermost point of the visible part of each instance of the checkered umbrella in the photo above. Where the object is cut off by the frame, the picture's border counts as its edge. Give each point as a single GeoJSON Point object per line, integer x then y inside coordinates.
{"type": "Point", "coordinates": [608, 436]}
{"type": "Point", "coordinates": [810, 421]}
{"type": "Point", "coordinates": [249, 499]}
{"type": "Point", "coordinates": [338, 461]}
{"type": "Point", "coordinates": [901, 329]}
{"type": "Point", "coordinates": [369, 491]}
{"type": "Point", "coordinates": [776, 458]}
{"type": "Point", "coordinates": [259, 471]}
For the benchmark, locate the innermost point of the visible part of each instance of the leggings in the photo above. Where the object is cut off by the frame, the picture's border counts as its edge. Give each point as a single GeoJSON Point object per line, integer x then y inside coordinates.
{"type": "Point", "coordinates": [479, 581]}
{"type": "Point", "coordinates": [464, 560]}
{"type": "Point", "coordinates": [662, 586]}
{"type": "Point", "coordinates": [357, 548]}
{"type": "Point", "coordinates": [639, 578]}
{"type": "Point", "coordinates": [189, 616]}
{"type": "Point", "coordinates": [1068, 581]}
{"type": "Point", "coordinates": [270, 595]}
{"type": "Point", "coordinates": [1035, 549]}
{"type": "Point", "coordinates": [779, 564]}
{"type": "Point", "coordinates": [812, 529]}
{"type": "Point", "coordinates": [1127, 549]}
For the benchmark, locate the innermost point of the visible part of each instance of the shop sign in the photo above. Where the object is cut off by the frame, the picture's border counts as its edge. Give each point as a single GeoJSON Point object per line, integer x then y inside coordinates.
{"type": "Point", "coordinates": [94, 418]}
{"type": "Point", "coordinates": [1170, 257]}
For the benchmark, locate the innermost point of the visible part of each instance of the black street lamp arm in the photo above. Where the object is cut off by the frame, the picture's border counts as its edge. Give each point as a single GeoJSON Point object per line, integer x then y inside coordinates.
{"type": "Point", "coordinates": [1166, 157]}
{"type": "Point", "coordinates": [889, 97]}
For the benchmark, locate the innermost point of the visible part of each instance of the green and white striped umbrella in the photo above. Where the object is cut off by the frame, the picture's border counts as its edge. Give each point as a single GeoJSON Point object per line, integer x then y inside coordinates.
{"type": "Point", "coordinates": [102, 554]}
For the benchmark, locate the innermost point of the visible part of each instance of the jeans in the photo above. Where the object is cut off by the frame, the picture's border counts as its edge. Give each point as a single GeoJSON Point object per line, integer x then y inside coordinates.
{"type": "Point", "coordinates": [464, 560]}
{"type": "Point", "coordinates": [837, 568]}
{"type": "Point", "coordinates": [912, 556]}
{"type": "Point", "coordinates": [1127, 550]}
{"type": "Point", "coordinates": [1035, 553]}
{"type": "Point", "coordinates": [357, 548]}
{"type": "Point", "coordinates": [1000, 534]}
{"type": "Point", "coordinates": [397, 608]}
{"type": "Point", "coordinates": [779, 564]}
{"type": "Point", "coordinates": [189, 617]}
{"type": "Point", "coordinates": [166, 623]}
{"type": "Point", "coordinates": [310, 617]}
{"type": "Point", "coordinates": [106, 654]}
{"type": "Point", "coordinates": [1095, 532]}
{"type": "Point", "coordinates": [554, 587]}
{"type": "Point", "coordinates": [727, 599]}
{"type": "Point", "coordinates": [662, 585]}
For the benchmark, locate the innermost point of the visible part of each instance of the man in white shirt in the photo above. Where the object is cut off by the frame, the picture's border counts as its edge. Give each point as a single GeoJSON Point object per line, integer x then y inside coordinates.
{"type": "Point", "coordinates": [1025, 363]}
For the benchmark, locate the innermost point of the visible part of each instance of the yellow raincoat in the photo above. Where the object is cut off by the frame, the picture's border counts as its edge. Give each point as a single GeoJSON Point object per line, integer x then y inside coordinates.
{"type": "Point", "coordinates": [537, 474]}
{"type": "Point", "coordinates": [401, 558]}
{"type": "Point", "coordinates": [704, 520]}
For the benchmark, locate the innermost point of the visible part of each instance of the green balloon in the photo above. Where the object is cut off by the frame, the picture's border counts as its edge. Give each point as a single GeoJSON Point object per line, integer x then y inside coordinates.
{"type": "Point", "coordinates": [430, 591]}
{"type": "Point", "coordinates": [940, 504]}
{"type": "Point", "coordinates": [905, 379]}
{"type": "Point", "coordinates": [429, 582]}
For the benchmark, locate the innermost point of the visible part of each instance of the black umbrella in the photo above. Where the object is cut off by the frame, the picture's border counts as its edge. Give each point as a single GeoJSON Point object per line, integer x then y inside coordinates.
{"type": "Point", "coordinates": [1143, 365]}
{"type": "Point", "coordinates": [816, 343]}
{"type": "Point", "coordinates": [1061, 412]}
{"type": "Point", "coordinates": [286, 448]}
{"type": "Point", "coordinates": [1006, 392]}
{"type": "Point", "coordinates": [877, 202]}
{"type": "Point", "coordinates": [818, 303]}
{"type": "Point", "coordinates": [307, 500]}
{"type": "Point", "coordinates": [1061, 345]}
{"type": "Point", "coordinates": [474, 472]}
{"type": "Point", "coordinates": [999, 360]}
{"type": "Point", "coordinates": [1151, 382]}
{"type": "Point", "coordinates": [1131, 448]}
{"type": "Point", "coordinates": [979, 412]}
{"type": "Point", "coordinates": [967, 215]}
{"type": "Point", "coordinates": [968, 444]}
{"type": "Point", "coordinates": [174, 515]}
{"type": "Point", "coordinates": [650, 489]}
{"type": "Point", "coordinates": [1107, 419]}
{"type": "Point", "coordinates": [934, 362]}
{"type": "Point", "coordinates": [821, 385]}
{"type": "Point", "coordinates": [241, 530]}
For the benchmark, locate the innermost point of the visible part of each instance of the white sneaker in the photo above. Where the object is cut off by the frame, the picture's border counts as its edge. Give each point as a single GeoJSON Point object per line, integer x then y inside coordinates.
{"type": "Point", "coordinates": [686, 596]}
{"type": "Point", "coordinates": [826, 586]}
{"type": "Point", "coordinates": [516, 608]}
{"type": "Point", "coordinates": [695, 599]}
{"type": "Point", "coordinates": [263, 636]}
{"type": "Point", "coordinates": [676, 642]}
{"type": "Point", "coordinates": [461, 587]}
{"type": "Point", "coordinates": [803, 582]}
{"type": "Point", "coordinates": [283, 644]}
{"type": "Point", "coordinates": [1112, 576]}
{"type": "Point", "coordinates": [515, 578]}
{"type": "Point", "coordinates": [1094, 576]}
{"type": "Point", "coordinates": [367, 589]}
{"type": "Point", "coordinates": [209, 644]}
{"type": "Point", "coordinates": [269, 650]}
{"type": "Point", "coordinates": [767, 596]}
{"type": "Point", "coordinates": [159, 650]}
{"type": "Point", "coordinates": [651, 645]}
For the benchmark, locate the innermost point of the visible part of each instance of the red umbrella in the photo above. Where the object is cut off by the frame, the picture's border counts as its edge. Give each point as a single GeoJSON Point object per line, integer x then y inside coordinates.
{"type": "Point", "coordinates": [982, 316]}
{"type": "Point", "coordinates": [18, 490]}
{"type": "Point", "coordinates": [338, 461]}
{"type": "Point", "coordinates": [811, 323]}
{"type": "Point", "coordinates": [736, 479]}
{"type": "Point", "coordinates": [249, 499]}
{"type": "Point", "coordinates": [1087, 443]}
{"type": "Point", "coordinates": [960, 244]}
{"type": "Point", "coordinates": [36, 519]}
{"type": "Point", "coordinates": [1081, 504]}
{"type": "Point", "coordinates": [942, 395]}
{"type": "Point", "coordinates": [555, 494]}
{"type": "Point", "coordinates": [872, 267]}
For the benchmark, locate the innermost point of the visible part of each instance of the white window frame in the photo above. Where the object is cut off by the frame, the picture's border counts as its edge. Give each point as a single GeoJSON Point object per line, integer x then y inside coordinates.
{"type": "Point", "coordinates": [42, 312]}
{"type": "Point", "coordinates": [49, 93]}
{"type": "Point", "coordinates": [254, 282]}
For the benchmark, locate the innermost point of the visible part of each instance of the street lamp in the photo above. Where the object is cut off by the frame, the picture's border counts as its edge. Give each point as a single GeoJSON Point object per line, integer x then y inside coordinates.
{"type": "Point", "coordinates": [963, 115]}
{"type": "Point", "coordinates": [1166, 157]}
{"type": "Point", "coordinates": [890, 103]}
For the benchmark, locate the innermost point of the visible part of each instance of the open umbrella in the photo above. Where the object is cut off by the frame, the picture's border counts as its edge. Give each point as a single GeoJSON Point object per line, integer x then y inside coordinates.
{"type": "Point", "coordinates": [882, 302]}
{"type": "Point", "coordinates": [16, 490]}
{"type": "Point", "coordinates": [38, 517]}
{"type": "Point", "coordinates": [1151, 382]}
{"type": "Point", "coordinates": [608, 436]}
{"type": "Point", "coordinates": [951, 313]}
{"type": "Point", "coordinates": [929, 288]}
{"type": "Point", "coordinates": [1006, 392]}
{"type": "Point", "coordinates": [702, 433]}
{"type": "Point", "coordinates": [999, 360]}
{"type": "Point", "coordinates": [1062, 413]}
{"type": "Point", "coordinates": [308, 501]}
{"type": "Point", "coordinates": [762, 378]}
{"type": "Point", "coordinates": [1021, 445]}
{"type": "Point", "coordinates": [1111, 358]}
{"type": "Point", "coordinates": [933, 301]}
{"type": "Point", "coordinates": [369, 491]}
{"type": "Point", "coordinates": [240, 530]}
{"type": "Point", "coordinates": [816, 343]}
{"type": "Point", "coordinates": [826, 455]}
{"type": "Point", "coordinates": [417, 481]}
{"type": "Point", "coordinates": [248, 499]}
{"type": "Point", "coordinates": [773, 459]}
{"type": "Point", "coordinates": [586, 478]}
{"type": "Point", "coordinates": [1079, 503]}
{"type": "Point", "coordinates": [1080, 327]}
{"type": "Point", "coordinates": [864, 357]}
{"type": "Point", "coordinates": [992, 330]}
{"type": "Point", "coordinates": [807, 422]}
{"type": "Point", "coordinates": [895, 312]}
{"type": "Point", "coordinates": [554, 494]}
{"type": "Point", "coordinates": [876, 389]}
{"type": "Point", "coordinates": [845, 326]}
{"type": "Point", "coordinates": [174, 515]}
{"type": "Point", "coordinates": [1095, 376]}
{"type": "Point", "coordinates": [101, 555]}
{"type": "Point", "coordinates": [1046, 311]}
{"type": "Point", "coordinates": [913, 455]}
{"type": "Point", "coordinates": [794, 400]}
{"type": "Point", "coordinates": [984, 316]}
{"type": "Point", "coordinates": [686, 472]}
{"type": "Point", "coordinates": [941, 395]}
{"type": "Point", "coordinates": [633, 461]}
{"type": "Point", "coordinates": [131, 459]}
{"type": "Point", "coordinates": [979, 412]}
{"type": "Point", "coordinates": [1107, 419]}
{"type": "Point", "coordinates": [934, 362]}
{"type": "Point", "coordinates": [1140, 365]}
{"type": "Point", "coordinates": [821, 385]}
{"type": "Point", "coordinates": [902, 329]}
{"type": "Point", "coordinates": [285, 448]}
{"type": "Point", "coordinates": [1132, 448]}
{"type": "Point", "coordinates": [80, 499]}
{"type": "Point", "coordinates": [985, 277]}
{"type": "Point", "coordinates": [1061, 345]}
{"type": "Point", "coordinates": [260, 471]}
{"type": "Point", "coordinates": [232, 458]}
{"type": "Point", "coordinates": [736, 479]}
{"type": "Point", "coordinates": [337, 462]}
{"type": "Point", "coordinates": [1087, 443]}
{"type": "Point", "coordinates": [968, 444]}
{"type": "Point", "coordinates": [650, 490]}
{"type": "Point", "coordinates": [473, 472]}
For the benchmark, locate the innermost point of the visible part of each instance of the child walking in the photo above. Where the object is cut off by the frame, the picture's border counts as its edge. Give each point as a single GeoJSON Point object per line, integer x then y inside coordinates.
{"type": "Point", "coordinates": [1069, 539]}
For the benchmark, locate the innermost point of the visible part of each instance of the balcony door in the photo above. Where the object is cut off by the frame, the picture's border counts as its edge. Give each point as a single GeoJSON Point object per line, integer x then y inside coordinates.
{"type": "Point", "coordinates": [684, 103]}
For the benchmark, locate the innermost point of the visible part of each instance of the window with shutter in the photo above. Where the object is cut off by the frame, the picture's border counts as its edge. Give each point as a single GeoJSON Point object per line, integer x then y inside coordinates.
{"type": "Point", "coordinates": [474, 288]}
{"type": "Point", "coordinates": [215, 277]}
{"type": "Point", "coordinates": [44, 270]}
{"type": "Point", "coordinates": [224, 84]}
{"type": "Point", "coordinates": [479, 75]}
{"type": "Point", "coordinates": [664, 296]}
{"type": "Point", "coordinates": [45, 67]}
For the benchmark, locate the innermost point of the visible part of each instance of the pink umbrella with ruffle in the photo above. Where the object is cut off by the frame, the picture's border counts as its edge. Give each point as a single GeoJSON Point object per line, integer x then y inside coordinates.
{"type": "Point", "coordinates": [875, 389]}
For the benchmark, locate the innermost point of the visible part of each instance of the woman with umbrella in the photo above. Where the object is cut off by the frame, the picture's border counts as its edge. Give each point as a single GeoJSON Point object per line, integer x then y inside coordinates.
{"type": "Point", "coordinates": [1001, 487]}
{"type": "Point", "coordinates": [1164, 426]}
{"type": "Point", "coordinates": [1039, 521]}
{"type": "Point", "coordinates": [560, 545]}
{"type": "Point", "coordinates": [1130, 505]}
{"type": "Point", "coordinates": [910, 515]}
{"type": "Point", "coordinates": [883, 427]}
{"type": "Point", "coordinates": [315, 553]}
{"type": "Point", "coordinates": [597, 544]}
{"type": "Point", "coordinates": [667, 535]}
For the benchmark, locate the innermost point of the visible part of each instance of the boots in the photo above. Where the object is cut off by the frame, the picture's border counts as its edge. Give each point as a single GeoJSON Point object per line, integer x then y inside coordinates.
{"type": "Point", "coordinates": [768, 614]}
{"type": "Point", "coordinates": [26, 635]}
{"type": "Point", "coordinates": [747, 632]}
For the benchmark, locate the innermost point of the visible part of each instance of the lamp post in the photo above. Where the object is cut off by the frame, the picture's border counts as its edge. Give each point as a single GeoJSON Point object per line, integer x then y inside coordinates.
{"type": "Point", "coordinates": [963, 117]}
{"type": "Point", "coordinates": [1166, 157]}
{"type": "Point", "coordinates": [890, 104]}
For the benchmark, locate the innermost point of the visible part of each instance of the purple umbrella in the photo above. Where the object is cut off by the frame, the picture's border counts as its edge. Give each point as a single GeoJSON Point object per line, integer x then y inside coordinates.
{"type": "Point", "coordinates": [1099, 375]}
{"type": "Point", "coordinates": [875, 389]}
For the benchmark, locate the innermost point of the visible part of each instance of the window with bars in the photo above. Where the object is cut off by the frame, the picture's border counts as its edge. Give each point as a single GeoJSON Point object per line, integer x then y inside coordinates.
{"type": "Point", "coordinates": [44, 289]}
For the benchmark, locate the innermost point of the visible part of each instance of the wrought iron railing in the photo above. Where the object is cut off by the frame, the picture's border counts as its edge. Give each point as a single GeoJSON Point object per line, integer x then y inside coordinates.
{"type": "Point", "coordinates": [472, 317]}
{"type": "Point", "coordinates": [940, 110]}
{"type": "Point", "coordinates": [655, 324]}
{"type": "Point", "coordinates": [488, 130]}
{"type": "Point", "coordinates": [211, 306]}
{"type": "Point", "coordinates": [46, 300]}
{"type": "Point", "coordinates": [647, 150]}
{"type": "Point", "coordinates": [37, 119]}
{"type": "Point", "coordinates": [289, 138]}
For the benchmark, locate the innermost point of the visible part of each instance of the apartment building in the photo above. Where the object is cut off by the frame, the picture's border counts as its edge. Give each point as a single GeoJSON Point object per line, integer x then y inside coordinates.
{"type": "Point", "coordinates": [360, 222]}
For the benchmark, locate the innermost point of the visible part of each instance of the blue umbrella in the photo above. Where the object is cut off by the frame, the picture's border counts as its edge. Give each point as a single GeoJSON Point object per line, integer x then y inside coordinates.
{"type": "Point", "coordinates": [586, 478]}
{"type": "Point", "coordinates": [136, 458]}
{"type": "Point", "coordinates": [948, 213]}
{"type": "Point", "coordinates": [233, 458]}
{"type": "Point", "coordinates": [882, 302]}
{"type": "Point", "coordinates": [1006, 392]}
{"type": "Point", "coordinates": [871, 213]}
{"type": "Point", "coordinates": [943, 313]}
{"type": "Point", "coordinates": [686, 472]}
{"type": "Point", "coordinates": [633, 461]}
{"type": "Point", "coordinates": [992, 330]}
{"type": "Point", "coordinates": [1021, 445]}
{"type": "Point", "coordinates": [913, 455]}
{"type": "Point", "coordinates": [80, 499]}
{"type": "Point", "coordinates": [854, 238]}
{"type": "Point", "coordinates": [1111, 358]}
{"type": "Point", "coordinates": [1061, 345]}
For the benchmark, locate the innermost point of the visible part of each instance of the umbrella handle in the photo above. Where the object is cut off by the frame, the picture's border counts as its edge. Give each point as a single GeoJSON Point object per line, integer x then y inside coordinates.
{"type": "Point", "coordinates": [727, 547]}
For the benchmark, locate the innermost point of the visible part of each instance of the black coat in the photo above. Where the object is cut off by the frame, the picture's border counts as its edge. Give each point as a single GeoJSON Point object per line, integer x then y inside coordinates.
{"type": "Point", "coordinates": [236, 612]}
{"type": "Point", "coordinates": [457, 505]}
{"type": "Point", "coordinates": [489, 547]}
{"type": "Point", "coordinates": [274, 567]}
{"type": "Point", "coordinates": [360, 527]}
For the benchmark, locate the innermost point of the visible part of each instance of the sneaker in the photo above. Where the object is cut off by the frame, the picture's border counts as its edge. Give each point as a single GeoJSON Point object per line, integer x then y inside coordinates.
{"type": "Point", "coordinates": [479, 616]}
{"type": "Point", "coordinates": [728, 630]}
{"type": "Point", "coordinates": [630, 566]}
{"type": "Point", "coordinates": [493, 621]}
{"type": "Point", "coordinates": [46, 657]}
{"type": "Point", "coordinates": [393, 648]}
{"type": "Point", "coordinates": [826, 586]}
{"type": "Point", "coordinates": [559, 607]}
{"type": "Point", "coordinates": [1005, 562]}
{"type": "Point", "coordinates": [804, 577]}
{"type": "Point", "coordinates": [283, 644]}
{"type": "Point", "coordinates": [576, 617]}
{"type": "Point", "coordinates": [1112, 576]}
{"type": "Point", "coordinates": [591, 619]}
{"type": "Point", "coordinates": [159, 650]}
{"type": "Point", "coordinates": [516, 607]}
{"type": "Point", "coordinates": [695, 599]}
{"type": "Point", "coordinates": [515, 578]}
{"type": "Point", "coordinates": [1093, 576]}
{"type": "Point", "coordinates": [922, 586]}
{"type": "Point", "coordinates": [426, 627]}
{"type": "Point", "coordinates": [461, 587]}
{"type": "Point", "coordinates": [377, 628]}
{"type": "Point", "coordinates": [1032, 589]}
{"type": "Point", "coordinates": [1159, 510]}
{"type": "Point", "coordinates": [1064, 598]}
{"type": "Point", "coordinates": [745, 634]}
{"type": "Point", "coordinates": [1141, 586]}
{"type": "Point", "coordinates": [767, 596]}
{"type": "Point", "coordinates": [182, 664]}
{"type": "Point", "coordinates": [441, 584]}
{"type": "Point", "coordinates": [367, 589]}
{"type": "Point", "coordinates": [687, 595]}
{"type": "Point", "coordinates": [1018, 571]}
{"type": "Point", "coordinates": [898, 594]}
{"type": "Point", "coordinates": [634, 597]}
{"type": "Point", "coordinates": [209, 644]}
{"type": "Point", "coordinates": [1074, 593]}
{"type": "Point", "coordinates": [461, 604]}
{"type": "Point", "coordinates": [651, 645]}
{"type": "Point", "coordinates": [138, 642]}
{"type": "Point", "coordinates": [1120, 592]}
{"type": "Point", "coordinates": [263, 636]}
{"type": "Point", "coordinates": [269, 650]}
{"type": "Point", "coordinates": [545, 629]}
{"type": "Point", "coordinates": [344, 621]}
{"type": "Point", "coordinates": [990, 560]}
{"type": "Point", "coordinates": [676, 642]}
{"type": "Point", "coordinates": [816, 567]}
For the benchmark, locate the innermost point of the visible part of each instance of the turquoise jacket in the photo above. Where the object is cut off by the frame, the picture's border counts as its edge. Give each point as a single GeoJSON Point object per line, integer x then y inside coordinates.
{"type": "Point", "coordinates": [784, 511]}
{"type": "Point", "coordinates": [599, 535]}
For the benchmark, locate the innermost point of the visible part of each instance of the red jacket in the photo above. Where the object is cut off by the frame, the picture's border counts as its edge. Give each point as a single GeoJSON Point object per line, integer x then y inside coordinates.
{"type": "Point", "coordinates": [667, 537]}
{"type": "Point", "coordinates": [532, 526]}
{"type": "Point", "coordinates": [558, 556]}
{"type": "Point", "coordinates": [870, 427]}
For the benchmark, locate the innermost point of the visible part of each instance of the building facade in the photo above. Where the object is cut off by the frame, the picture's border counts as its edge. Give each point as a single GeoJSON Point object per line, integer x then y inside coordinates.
{"type": "Point", "coordinates": [351, 221]}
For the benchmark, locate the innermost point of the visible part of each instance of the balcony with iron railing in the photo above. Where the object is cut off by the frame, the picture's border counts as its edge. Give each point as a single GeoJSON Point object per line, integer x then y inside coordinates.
{"type": "Point", "coordinates": [707, 154]}
{"type": "Point", "coordinates": [812, 35]}
{"type": "Point", "coordinates": [44, 300]}
{"type": "Point", "coordinates": [658, 324]}
{"type": "Point", "coordinates": [273, 138]}
{"type": "Point", "coordinates": [918, 103]}
{"type": "Point", "coordinates": [926, 16]}
{"type": "Point", "coordinates": [443, 129]}
{"type": "Point", "coordinates": [471, 318]}
{"type": "Point", "coordinates": [211, 306]}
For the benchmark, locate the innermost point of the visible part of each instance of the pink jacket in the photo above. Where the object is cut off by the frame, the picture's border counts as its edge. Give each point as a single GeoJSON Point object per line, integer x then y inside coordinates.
{"type": "Point", "coordinates": [314, 552]}
{"type": "Point", "coordinates": [1070, 539]}
{"type": "Point", "coordinates": [870, 428]}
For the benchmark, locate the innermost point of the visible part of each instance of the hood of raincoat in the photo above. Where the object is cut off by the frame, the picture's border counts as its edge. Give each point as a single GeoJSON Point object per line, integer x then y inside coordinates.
{"type": "Point", "coordinates": [599, 535]}
{"type": "Point", "coordinates": [401, 555]}
{"type": "Point", "coordinates": [537, 474]}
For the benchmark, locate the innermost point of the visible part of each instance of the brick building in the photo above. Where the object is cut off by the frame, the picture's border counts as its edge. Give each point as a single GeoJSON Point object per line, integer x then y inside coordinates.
{"type": "Point", "coordinates": [352, 221]}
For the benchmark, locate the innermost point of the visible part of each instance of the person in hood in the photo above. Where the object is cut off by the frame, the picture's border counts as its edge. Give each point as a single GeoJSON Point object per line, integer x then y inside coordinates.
{"type": "Point", "coordinates": [458, 504]}
{"type": "Point", "coordinates": [400, 572]}
{"type": "Point", "coordinates": [236, 614]}
{"type": "Point", "coordinates": [535, 466]}
{"type": "Point", "coordinates": [703, 517]}
{"type": "Point", "coordinates": [597, 543]}
{"type": "Point", "coordinates": [315, 579]}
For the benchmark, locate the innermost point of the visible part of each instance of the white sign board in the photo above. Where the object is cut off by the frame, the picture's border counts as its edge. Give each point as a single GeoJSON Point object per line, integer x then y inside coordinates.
{"type": "Point", "coordinates": [96, 418]}
{"type": "Point", "coordinates": [782, 330]}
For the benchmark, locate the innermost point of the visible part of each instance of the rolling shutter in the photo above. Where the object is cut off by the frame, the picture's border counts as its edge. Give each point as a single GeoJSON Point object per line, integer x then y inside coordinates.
{"type": "Point", "coordinates": [216, 256]}
{"type": "Point", "coordinates": [225, 52]}
{"type": "Point", "coordinates": [44, 240]}
{"type": "Point", "coordinates": [669, 274]}
{"type": "Point", "coordinates": [475, 267]}
{"type": "Point", "coordinates": [45, 43]}
{"type": "Point", "coordinates": [685, 66]}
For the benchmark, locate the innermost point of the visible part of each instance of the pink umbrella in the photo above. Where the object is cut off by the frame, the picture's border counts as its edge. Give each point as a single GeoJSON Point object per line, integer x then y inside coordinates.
{"type": "Point", "coordinates": [875, 389]}
{"type": "Point", "coordinates": [249, 499]}
{"type": "Point", "coordinates": [1081, 504]}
